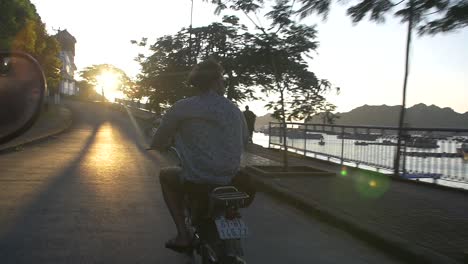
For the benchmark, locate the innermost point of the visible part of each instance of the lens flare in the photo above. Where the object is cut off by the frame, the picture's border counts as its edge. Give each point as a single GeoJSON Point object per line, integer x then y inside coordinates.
{"type": "Point", "coordinates": [344, 171]}
{"type": "Point", "coordinates": [372, 185]}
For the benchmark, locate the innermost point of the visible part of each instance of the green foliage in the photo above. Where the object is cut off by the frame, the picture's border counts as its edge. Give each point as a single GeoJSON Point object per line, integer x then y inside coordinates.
{"type": "Point", "coordinates": [456, 17]}
{"type": "Point", "coordinates": [327, 115]}
{"type": "Point", "coordinates": [277, 56]}
{"type": "Point", "coordinates": [22, 30]}
{"type": "Point", "coordinates": [46, 52]}
{"type": "Point", "coordinates": [87, 91]}
{"type": "Point", "coordinates": [272, 59]}
{"type": "Point", "coordinates": [430, 16]}
{"type": "Point", "coordinates": [17, 19]}
{"type": "Point", "coordinates": [165, 69]}
{"type": "Point", "coordinates": [163, 73]}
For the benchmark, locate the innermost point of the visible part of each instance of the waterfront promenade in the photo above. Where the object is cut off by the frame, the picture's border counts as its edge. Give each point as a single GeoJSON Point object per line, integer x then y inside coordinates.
{"type": "Point", "coordinates": [424, 222]}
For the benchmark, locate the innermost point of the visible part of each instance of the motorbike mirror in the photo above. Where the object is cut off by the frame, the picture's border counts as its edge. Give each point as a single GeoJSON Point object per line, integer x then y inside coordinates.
{"type": "Point", "coordinates": [22, 89]}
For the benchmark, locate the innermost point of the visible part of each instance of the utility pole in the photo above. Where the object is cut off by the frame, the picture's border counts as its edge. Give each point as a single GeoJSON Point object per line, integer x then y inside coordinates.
{"type": "Point", "coordinates": [190, 36]}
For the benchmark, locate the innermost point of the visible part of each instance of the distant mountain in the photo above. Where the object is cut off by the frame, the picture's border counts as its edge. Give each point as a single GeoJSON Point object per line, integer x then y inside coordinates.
{"type": "Point", "coordinates": [263, 121]}
{"type": "Point", "coordinates": [419, 115]}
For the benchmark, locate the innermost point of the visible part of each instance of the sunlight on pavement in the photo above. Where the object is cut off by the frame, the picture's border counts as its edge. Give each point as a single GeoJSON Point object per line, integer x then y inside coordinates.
{"type": "Point", "coordinates": [104, 139]}
{"type": "Point", "coordinates": [106, 161]}
{"type": "Point", "coordinates": [135, 125]}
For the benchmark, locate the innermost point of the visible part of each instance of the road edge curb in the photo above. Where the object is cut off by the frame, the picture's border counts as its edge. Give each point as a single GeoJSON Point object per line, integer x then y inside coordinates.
{"type": "Point", "coordinates": [41, 138]}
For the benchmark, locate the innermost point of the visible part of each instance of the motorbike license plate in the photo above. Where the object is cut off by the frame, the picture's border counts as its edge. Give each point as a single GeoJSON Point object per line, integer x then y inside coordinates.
{"type": "Point", "coordinates": [231, 229]}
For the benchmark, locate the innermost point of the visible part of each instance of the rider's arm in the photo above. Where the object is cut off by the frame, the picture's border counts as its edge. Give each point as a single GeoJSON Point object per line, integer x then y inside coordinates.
{"type": "Point", "coordinates": [162, 139]}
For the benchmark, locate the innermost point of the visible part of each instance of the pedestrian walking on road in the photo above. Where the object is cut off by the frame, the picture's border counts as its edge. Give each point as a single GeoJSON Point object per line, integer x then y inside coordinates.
{"type": "Point", "coordinates": [250, 118]}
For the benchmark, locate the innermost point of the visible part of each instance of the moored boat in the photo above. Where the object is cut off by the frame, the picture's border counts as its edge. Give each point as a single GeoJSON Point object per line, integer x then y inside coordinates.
{"type": "Point", "coordinates": [463, 150]}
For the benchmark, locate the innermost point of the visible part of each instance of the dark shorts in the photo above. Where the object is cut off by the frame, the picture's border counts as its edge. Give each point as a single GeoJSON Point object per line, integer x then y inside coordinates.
{"type": "Point", "coordinates": [170, 177]}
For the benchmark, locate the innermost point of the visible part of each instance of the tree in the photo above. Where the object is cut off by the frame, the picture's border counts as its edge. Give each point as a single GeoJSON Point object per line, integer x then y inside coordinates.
{"type": "Point", "coordinates": [165, 69]}
{"type": "Point", "coordinates": [87, 90]}
{"type": "Point", "coordinates": [430, 16]}
{"type": "Point", "coordinates": [163, 72]}
{"type": "Point", "coordinates": [278, 53]}
{"type": "Point", "coordinates": [47, 50]}
{"type": "Point", "coordinates": [91, 79]}
{"type": "Point", "coordinates": [17, 20]}
{"type": "Point", "coordinates": [455, 17]}
{"type": "Point", "coordinates": [23, 30]}
{"type": "Point", "coordinates": [327, 115]}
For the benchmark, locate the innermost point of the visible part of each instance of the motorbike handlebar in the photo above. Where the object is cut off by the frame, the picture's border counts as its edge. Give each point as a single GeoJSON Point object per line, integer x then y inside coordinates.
{"type": "Point", "coordinates": [171, 148]}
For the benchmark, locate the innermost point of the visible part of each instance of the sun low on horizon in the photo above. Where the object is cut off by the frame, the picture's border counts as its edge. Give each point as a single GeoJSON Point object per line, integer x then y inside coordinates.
{"type": "Point", "coordinates": [108, 84]}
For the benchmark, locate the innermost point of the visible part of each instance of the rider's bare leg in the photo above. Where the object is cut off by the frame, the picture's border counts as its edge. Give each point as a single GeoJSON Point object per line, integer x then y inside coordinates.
{"type": "Point", "coordinates": [174, 202]}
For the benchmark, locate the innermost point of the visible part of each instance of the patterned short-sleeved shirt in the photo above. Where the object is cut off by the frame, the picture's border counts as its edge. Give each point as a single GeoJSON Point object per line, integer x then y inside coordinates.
{"type": "Point", "coordinates": [209, 132]}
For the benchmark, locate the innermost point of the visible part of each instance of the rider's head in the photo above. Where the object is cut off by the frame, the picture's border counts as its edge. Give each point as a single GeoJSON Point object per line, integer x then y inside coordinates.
{"type": "Point", "coordinates": [207, 75]}
{"type": "Point", "coordinates": [247, 107]}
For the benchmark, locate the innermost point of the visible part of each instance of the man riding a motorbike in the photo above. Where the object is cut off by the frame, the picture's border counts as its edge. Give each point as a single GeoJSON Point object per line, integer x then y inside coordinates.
{"type": "Point", "coordinates": [209, 133]}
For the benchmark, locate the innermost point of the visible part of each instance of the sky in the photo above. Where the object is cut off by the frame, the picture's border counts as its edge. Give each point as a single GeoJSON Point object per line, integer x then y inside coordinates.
{"type": "Point", "coordinates": [365, 60]}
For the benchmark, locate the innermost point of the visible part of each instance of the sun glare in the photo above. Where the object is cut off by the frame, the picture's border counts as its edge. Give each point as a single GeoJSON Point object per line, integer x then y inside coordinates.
{"type": "Point", "coordinates": [108, 84]}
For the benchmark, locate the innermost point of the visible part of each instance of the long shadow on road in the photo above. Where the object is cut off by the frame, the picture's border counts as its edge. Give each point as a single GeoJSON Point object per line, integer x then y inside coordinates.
{"type": "Point", "coordinates": [83, 212]}
{"type": "Point", "coordinates": [31, 221]}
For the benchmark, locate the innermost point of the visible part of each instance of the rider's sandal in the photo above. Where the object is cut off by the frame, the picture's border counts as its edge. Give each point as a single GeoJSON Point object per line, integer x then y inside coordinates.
{"type": "Point", "coordinates": [178, 248]}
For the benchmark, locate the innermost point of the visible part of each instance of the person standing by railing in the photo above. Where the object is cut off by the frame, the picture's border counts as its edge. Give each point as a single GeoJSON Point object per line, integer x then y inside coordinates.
{"type": "Point", "coordinates": [250, 118]}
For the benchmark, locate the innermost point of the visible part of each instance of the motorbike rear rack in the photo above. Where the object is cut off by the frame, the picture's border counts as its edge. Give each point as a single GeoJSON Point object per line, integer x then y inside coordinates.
{"type": "Point", "coordinates": [229, 196]}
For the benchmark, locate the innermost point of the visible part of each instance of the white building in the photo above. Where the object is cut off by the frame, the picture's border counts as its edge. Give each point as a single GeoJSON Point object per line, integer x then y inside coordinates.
{"type": "Point", "coordinates": [67, 56]}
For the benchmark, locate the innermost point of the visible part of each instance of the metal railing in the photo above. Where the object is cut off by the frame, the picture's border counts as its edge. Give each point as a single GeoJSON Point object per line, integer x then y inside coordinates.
{"type": "Point", "coordinates": [133, 104]}
{"type": "Point", "coordinates": [433, 153]}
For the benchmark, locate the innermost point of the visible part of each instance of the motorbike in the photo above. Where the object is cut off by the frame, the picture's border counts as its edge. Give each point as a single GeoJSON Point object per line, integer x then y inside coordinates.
{"type": "Point", "coordinates": [214, 220]}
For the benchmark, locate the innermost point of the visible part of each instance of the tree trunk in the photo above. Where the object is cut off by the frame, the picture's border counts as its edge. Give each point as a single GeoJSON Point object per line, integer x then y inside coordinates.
{"type": "Point", "coordinates": [190, 37]}
{"type": "Point", "coordinates": [283, 112]}
{"type": "Point", "coordinates": [396, 165]}
{"type": "Point", "coordinates": [284, 131]}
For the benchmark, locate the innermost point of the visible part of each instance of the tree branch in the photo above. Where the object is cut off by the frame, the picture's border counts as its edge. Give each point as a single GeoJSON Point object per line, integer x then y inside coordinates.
{"type": "Point", "coordinates": [432, 13]}
{"type": "Point", "coordinates": [290, 12]}
{"type": "Point", "coordinates": [398, 3]}
{"type": "Point", "coordinates": [253, 22]}
{"type": "Point", "coordinates": [259, 22]}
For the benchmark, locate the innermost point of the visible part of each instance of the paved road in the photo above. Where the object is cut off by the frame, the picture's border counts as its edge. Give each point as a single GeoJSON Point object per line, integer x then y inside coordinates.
{"type": "Point", "coordinates": [91, 195]}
